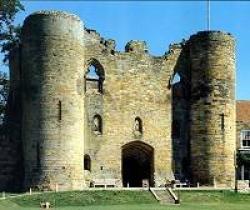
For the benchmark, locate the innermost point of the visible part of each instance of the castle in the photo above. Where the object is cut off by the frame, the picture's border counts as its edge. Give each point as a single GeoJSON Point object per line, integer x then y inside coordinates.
{"type": "Point", "coordinates": [80, 112]}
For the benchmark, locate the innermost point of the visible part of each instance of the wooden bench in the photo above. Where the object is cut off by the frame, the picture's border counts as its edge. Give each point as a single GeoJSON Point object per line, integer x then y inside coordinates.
{"type": "Point", "coordinates": [104, 182]}
{"type": "Point", "coordinates": [178, 183]}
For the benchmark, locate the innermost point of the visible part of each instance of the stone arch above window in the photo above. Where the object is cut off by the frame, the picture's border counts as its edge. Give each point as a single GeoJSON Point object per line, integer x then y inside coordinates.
{"type": "Point", "coordinates": [87, 162]}
{"type": "Point", "coordinates": [94, 76]}
{"type": "Point", "coordinates": [97, 124]}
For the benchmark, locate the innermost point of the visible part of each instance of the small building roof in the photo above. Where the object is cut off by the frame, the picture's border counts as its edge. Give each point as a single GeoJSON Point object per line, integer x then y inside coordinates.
{"type": "Point", "coordinates": [243, 111]}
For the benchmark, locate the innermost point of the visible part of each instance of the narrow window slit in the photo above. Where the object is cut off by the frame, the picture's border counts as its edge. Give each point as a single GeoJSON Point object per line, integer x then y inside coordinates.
{"type": "Point", "coordinates": [59, 110]}
{"type": "Point", "coordinates": [38, 160]}
{"type": "Point", "coordinates": [222, 122]}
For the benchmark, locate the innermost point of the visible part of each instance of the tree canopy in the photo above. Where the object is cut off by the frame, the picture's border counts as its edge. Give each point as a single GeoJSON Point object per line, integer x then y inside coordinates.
{"type": "Point", "coordinates": [9, 37]}
{"type": "Point", "coordinates": [9, 33]}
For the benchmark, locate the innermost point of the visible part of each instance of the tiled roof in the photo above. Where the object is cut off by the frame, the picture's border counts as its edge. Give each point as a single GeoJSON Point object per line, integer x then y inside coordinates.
{"type": "Point", "coordinates": [243, 111]}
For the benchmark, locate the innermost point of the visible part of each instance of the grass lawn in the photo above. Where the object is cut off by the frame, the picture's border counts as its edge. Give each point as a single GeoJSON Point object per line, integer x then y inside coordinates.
{"type": "Point", "coordinates": [129, 200]}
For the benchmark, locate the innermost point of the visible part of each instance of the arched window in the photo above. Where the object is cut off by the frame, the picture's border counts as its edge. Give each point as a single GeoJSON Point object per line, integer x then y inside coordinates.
{"type": "Point", "coordinates": [138, 125]}
{"type": "Point", "coordinates": [87, 163]}
{"type": "Point", "coordinates": [94, 77]}
{"type": "Point", "coordinates": [97, 124]}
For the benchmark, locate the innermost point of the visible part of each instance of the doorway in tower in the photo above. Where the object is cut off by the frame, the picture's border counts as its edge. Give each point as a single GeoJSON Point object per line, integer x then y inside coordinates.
{"type": "Point", "coordinates": [137, 164]}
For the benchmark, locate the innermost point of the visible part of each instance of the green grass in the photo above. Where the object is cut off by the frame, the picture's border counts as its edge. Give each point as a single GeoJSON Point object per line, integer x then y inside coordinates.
{"type": "Point", "coordinates": [221, 196]}
{"type": "Point", "coordinates": [85, 198]}
{"type": "Point", "coordinates": [129, 200]}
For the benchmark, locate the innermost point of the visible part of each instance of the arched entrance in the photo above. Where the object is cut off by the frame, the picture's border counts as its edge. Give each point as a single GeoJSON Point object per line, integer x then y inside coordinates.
{"type": "Point", "coordinates": [137, 164]}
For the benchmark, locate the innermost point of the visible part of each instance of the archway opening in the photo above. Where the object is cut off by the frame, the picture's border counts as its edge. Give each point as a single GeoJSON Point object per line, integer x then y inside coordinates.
{"type": "Point", "coordinates": [87, 162]}
{"type": "Point", "coordinates": [137, 164]}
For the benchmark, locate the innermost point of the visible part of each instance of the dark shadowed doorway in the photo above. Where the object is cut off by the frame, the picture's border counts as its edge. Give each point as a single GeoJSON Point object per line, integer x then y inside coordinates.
{"type": "Point", "coordinates": [137, 164]}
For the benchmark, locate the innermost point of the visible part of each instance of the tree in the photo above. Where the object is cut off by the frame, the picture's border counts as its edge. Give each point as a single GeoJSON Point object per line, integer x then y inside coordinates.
{"type": "Point", "coordinates": [9, 38]}
{"type": "Point", "coordinates": [9, 33]}
{"type": "Point", "coordinates": [4, 90]}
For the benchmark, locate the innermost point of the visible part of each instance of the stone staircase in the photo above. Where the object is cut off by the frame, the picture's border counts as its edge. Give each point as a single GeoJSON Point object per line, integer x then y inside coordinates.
{"type": "Point", "coordinates": [165, 196]}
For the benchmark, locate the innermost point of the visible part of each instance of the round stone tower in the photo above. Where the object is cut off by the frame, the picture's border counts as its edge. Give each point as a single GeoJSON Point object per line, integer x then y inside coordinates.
{"type": "Point", "coordinates": [212, 128]}
{"type": "Point", "coordinates": [52, 69]}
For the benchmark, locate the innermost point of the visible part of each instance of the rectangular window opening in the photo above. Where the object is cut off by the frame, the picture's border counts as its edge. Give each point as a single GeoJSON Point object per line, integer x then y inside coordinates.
{"type": "Point", "coordinates": [245, 139]}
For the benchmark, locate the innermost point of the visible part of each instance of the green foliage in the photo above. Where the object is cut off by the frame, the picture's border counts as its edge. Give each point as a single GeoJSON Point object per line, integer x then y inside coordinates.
{"type": "Point", "coordinates": [4, 90]}
{"type": "Point", "coordinates": [9, 33]}
{"type": "Point", "coordinates": [9, 38]}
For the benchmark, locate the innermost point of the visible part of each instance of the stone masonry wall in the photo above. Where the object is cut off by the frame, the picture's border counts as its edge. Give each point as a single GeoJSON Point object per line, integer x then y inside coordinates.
{"type": "Point", "coordinates": [53, 60]}
{"type": "Point", "coordinates": [180, 116]}
{"type": "Point", "coordinates": [136, 85]}
{"type": "Point", "coordinates": [213, 108]}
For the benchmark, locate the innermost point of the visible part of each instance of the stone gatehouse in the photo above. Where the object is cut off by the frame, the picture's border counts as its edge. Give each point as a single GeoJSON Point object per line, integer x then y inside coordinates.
{"type": "Point", "coordinates": [80, 111]}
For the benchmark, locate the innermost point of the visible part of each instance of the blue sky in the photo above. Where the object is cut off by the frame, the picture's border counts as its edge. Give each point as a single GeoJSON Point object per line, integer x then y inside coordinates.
{"type": "Point", "coordinates": [161, 23]}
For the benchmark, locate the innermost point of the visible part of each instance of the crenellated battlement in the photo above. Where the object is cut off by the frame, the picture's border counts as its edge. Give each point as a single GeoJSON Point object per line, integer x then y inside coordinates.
{"type": "Point", "coordinates": [212, 35]}
{"type": "Point", "coordinates": [136, 46]}
{"type": "Point", "coordinates": [53, 13]}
